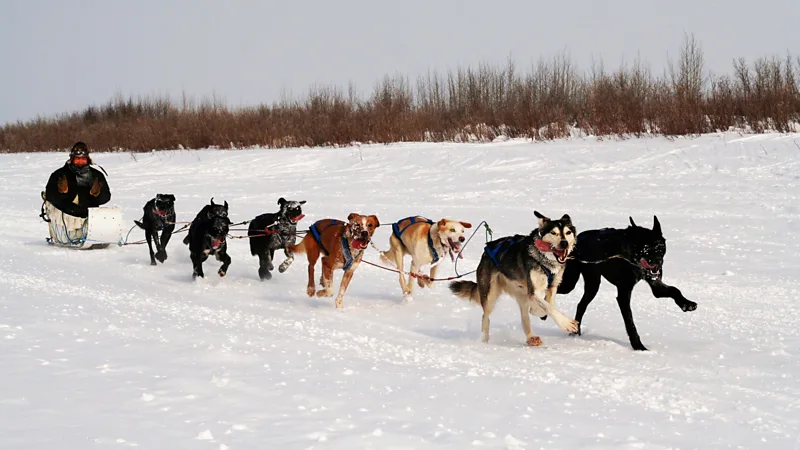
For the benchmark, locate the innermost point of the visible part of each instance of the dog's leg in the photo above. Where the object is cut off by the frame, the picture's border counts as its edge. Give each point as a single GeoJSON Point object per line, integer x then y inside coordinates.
{"type": "Point", "coordinates": [166, 234]}
{"type": "Point", "coordinates": [271, 258]}
{"type": "Point", "coordinates": [662, 290]}
{"type": "Point", "coordinates": [312, 262]}
{"type": "Point", "coordinates": [532, 339]}
{"type": "Point", "coordinates": [563, 322]}
{"type": "Point", "coordinates": [326, 280]}
{"type": "Point", "coordinates": [395, 256]}
{"type": "Point", "coordinates": [410, 285]}
{"type": "Point", "coordinates": [223, 256]}
{"type": "Point", "coordinates": [264, 265]}
{"type": "Point", "coordinates": [624, 301]}
{"type": "Point", "coordinates": [591, 284]}
{"type": "Point", "coordinates": [348, 275]}
{"type": "Point", "coordinates": [197, 265]}
{"type": "Point", "coordinates": [286, 262]}
{"type": "Point", "coordinates": [488, 291]}
{"type": "Point", "coordinates": [149, 238]}
{"type": "Point", "coordinates": [429, 283]}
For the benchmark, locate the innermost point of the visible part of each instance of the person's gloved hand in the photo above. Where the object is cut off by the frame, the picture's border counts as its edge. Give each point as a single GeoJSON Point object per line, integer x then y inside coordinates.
{"type": "Point", "coordinates": [96, 186]}
{"type": "Point", "coordinates": [63, 186]}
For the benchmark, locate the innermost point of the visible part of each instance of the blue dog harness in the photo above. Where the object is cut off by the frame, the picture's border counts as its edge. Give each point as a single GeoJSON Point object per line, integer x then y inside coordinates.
{"type": "Point", "coordinates": [317, 233]}
{"type": "Point", "coordinates": [348, 257]}
{"type": "Point", "coordinates": [497, 250]}
{"type": "Point", "coordinates": [412, 220]}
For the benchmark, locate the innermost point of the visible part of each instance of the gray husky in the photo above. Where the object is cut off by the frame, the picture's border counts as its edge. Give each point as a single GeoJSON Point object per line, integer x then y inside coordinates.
{"type": "Point", "coordinates": [528, 268]}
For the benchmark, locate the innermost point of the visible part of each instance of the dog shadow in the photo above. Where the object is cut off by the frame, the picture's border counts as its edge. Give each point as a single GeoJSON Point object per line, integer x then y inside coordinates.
{"type": "Point", "coordinates": [597, 338]}
{"type": "Point", "coordinates": [506, 337]}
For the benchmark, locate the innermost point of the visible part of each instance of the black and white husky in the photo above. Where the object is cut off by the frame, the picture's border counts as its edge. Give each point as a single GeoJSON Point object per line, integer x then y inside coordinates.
{"type": "Point", "coordinates": [529, 269]}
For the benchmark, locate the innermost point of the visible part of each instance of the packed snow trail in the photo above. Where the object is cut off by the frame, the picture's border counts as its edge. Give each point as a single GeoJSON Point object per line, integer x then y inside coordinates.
{"type": "Point", "coordinates": [101, 350]}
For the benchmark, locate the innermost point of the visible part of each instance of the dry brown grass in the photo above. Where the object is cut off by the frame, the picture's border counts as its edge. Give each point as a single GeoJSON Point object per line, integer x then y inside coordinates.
{"type": "Point", "coordinates": [545, 102]}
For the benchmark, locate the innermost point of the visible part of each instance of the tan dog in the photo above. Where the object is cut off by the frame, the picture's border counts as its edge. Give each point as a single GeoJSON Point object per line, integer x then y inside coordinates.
{"type": "Point", "coordinates": [427, 242]}
{"type": "Point", "coordinates": [341, 246]}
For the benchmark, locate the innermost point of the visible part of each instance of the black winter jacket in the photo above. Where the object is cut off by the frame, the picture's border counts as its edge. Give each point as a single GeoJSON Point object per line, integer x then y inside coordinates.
{"type": "Point", "coordinates": [79, 182]}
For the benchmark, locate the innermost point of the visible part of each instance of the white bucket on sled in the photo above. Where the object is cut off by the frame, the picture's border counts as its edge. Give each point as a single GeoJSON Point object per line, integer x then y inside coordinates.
{"type": "Point", "coordinates": [105, 226]}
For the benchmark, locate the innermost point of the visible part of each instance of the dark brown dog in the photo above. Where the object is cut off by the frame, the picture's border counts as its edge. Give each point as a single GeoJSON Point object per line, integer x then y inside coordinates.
{"type": "Point", "coordinates": [341, 246]}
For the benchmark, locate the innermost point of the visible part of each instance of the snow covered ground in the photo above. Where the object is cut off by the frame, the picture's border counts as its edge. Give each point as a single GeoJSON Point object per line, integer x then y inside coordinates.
{"type": "Point", "coordinates": [100, 350]}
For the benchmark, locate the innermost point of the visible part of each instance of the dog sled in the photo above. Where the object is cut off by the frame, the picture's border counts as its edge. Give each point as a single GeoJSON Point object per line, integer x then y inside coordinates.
{"type": "Point", "coordinates": [99, 230]}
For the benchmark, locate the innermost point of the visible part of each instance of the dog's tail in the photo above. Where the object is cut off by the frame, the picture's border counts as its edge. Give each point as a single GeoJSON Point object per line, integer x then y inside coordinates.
{"type": "Point", "coordinates": [298, 248]}
{"type": "Point", "coordinates": [468, 290]}
{"type": "Point", "coordinates": [385, 259]}
{"type": "Point", "coordinates": [139, 224]}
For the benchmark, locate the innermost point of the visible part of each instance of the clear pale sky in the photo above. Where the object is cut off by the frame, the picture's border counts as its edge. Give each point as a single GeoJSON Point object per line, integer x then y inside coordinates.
{"type": "Point", "coordinates": [59, 55]}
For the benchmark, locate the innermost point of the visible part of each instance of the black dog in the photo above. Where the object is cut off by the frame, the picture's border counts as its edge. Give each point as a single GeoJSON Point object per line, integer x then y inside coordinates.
{"type": "Point", "coordinates": [207, 236]}
{"type": "Point", "coordinates": [159, 216]}
{"type": "Point", "coordinates": [623, 257]}
{"type": "Point", "coordinates": [272, 231]}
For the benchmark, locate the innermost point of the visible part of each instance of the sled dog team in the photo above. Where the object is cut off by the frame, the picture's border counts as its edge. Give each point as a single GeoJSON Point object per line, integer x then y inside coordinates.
{"type": "Point", "coordinates": [530, 268]}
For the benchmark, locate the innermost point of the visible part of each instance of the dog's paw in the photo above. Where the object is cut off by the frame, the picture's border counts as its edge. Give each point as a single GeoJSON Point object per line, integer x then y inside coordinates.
{"type": "Point", "coordinates": [284, 266]}
{"type": "Point", "coordinates": [324, 293]}
{"type": "Point", "coordinates": [407, 297]}
{"type": "Point", "coordinates": [571, 326]}
{"type": "Point", "coordinates": [534, 341]}
{"type": "Point", "coordinates": [688, 306]}
{"type": "Point", "coordinates": [221, 272]}
{"type": "Point", "coordinates": [339, 303]}
{"type": "Point", "coordinates": [639, 347]}
{"type": "Point", "coordinates": [195, 275]}
{"type": "Point", "coordinates": [153, 262]}
{"type": "Point", "coordinates": [266, 276]}
{"type": "Point", "coordinates": [161, 256]}
{"type": "Point", "coordinates": [310, 291]}
{"type": "Point", "coordinates": [271, 266]}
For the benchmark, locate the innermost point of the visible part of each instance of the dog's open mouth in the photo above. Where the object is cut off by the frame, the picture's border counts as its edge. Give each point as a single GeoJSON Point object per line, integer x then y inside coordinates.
{"type": "Point", "coordinates": [455, 249]}
{"type": "Point", "coordinates": [652, 268]}
{"type": "Point", "coordinates": [560, 254]}
{"type": "Point", "coordinates": [360, 244]}
{"type": "Point", "coordinates": [159, 212]}
{"type": "Point", "coordinates": [546, 247]}
{"type": "Point", "coordinates": [296, 218]}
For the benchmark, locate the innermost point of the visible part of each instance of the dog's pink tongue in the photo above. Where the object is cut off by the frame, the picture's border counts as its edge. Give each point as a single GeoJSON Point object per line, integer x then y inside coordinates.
{"type": "Point", "coordinates": [358, 244]}
{"type": "Point", "coordinates": [646, 264]}
{"type": "Point", "coordinates": [543, 246]}
{"type": "Point", "coordinates": [298, 218]}
{"type": "Point", "coordinates": [217, 242]}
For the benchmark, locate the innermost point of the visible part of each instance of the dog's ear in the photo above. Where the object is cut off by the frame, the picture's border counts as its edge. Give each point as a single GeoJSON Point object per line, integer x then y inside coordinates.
{"type": "Point", "coordinates": [226, 205]}
{"type": "Point", "coordinates": [281, 201]}
{"type": "Point", "coordinates": [351, 216]}
{"type": "Point", "coordinates": [633, 224]}
{"type": "Point", "coordinates": [170, 197]}
{"type": "Point", "coordinates": [566, 219]}
{"type": "Point", "coordinates": [302, 202]}
{"type": "Point", "coordinates": [442, 223]}
{"type": "Point", "coordinates": [212, 202]}
{"type": "Point", "coordinates": [657, 226]}
{"type": "Point", "coordinates": [466, 224]}
{"type": "Point", "coordinates": [542, 219]}
{"type": "Point", "coordinates": [375, 218]}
